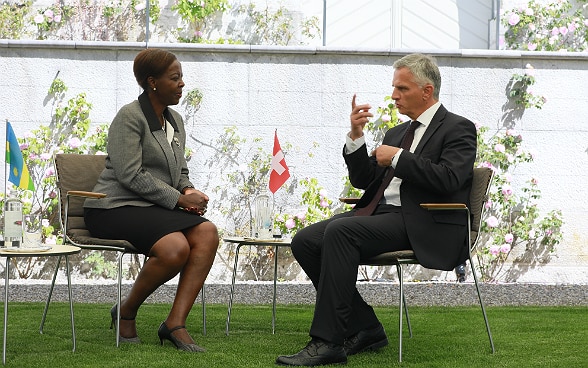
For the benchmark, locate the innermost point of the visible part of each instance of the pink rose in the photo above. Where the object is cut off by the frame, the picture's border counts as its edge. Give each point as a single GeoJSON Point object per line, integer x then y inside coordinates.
{"type": "Point", "coordinates": [290, 223]}
{"type": "Point", "coordinates": [492, 221]}
{"type": "Point", "coordinates": [555, 31]}
{"type": "Point", "coordinates": [514, 19]}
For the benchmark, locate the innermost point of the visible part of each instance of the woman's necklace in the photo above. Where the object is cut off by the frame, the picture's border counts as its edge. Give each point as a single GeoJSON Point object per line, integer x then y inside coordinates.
{"type": "Point", "coordinates": [164, 125]}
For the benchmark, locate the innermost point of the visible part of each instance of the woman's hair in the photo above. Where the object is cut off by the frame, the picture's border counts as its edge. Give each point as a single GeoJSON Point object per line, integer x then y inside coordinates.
{"type": "Point", "coordinates": [151, 63]}
{"type": "Point", "coordinates": [424, 69]}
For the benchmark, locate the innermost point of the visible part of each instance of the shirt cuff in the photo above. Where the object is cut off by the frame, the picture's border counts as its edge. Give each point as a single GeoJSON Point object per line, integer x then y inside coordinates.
{"type": "Point", "coordinates": [353, 145]}
{"type": "Point", "coordinates": [396, 158]}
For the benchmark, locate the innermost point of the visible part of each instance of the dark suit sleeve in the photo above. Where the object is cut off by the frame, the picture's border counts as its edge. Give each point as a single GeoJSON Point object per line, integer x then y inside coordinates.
{"type": "Point", "coordinates": [364, 169]}
{"type": "Point", "coordinates": [443, 164]}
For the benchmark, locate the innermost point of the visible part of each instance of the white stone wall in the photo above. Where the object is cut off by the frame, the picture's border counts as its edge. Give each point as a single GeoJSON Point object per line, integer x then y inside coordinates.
{"type": "Point", "coordinates": [305, 94]}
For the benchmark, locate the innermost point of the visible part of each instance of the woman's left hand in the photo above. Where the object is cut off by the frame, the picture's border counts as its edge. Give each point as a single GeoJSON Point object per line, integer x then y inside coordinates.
{"type": "Point", "coordinates": [194, 201]}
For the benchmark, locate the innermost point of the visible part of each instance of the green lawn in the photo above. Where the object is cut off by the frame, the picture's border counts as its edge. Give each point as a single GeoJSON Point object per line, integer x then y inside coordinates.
{"type": "Point", "coordinates": [443, 337]}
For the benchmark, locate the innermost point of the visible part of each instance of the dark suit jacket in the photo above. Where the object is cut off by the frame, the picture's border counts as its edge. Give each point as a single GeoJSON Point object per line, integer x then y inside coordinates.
{"type": "Point", "coordinates": [439, 171]}
{"type": "Point", "coordinates": [142, 168]}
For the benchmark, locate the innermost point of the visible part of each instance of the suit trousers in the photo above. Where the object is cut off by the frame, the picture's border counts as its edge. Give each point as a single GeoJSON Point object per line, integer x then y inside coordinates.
{"type": "Point", "coordinates": [330, 252]}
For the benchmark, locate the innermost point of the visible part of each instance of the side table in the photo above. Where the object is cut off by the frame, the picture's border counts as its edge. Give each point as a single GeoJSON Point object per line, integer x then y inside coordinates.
{"type": "Point", "coordinates": [251, 242]}
{"type": "Point", "coordinates": [55, 251]}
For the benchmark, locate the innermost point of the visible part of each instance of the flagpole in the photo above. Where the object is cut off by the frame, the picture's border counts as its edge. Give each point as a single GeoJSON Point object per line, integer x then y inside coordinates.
{"type": "Point", "coordinates": [5, 166]}
{"type": "Point", "coordinates": [273, 193]}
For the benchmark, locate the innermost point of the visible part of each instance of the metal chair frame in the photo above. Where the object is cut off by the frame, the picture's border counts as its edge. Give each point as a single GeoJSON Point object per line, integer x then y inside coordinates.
{"type": "Point", "coordinates": [401, 258]}
{"type": "Point", "coordinates": [97, 244]}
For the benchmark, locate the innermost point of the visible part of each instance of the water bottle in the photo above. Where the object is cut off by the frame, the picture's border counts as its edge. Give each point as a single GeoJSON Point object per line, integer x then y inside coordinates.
{"type": "Point", "coordinates": [13, 229]}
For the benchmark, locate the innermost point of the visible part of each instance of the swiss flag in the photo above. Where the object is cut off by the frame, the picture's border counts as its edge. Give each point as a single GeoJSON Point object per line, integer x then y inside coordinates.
{"type": "Point", "coordinates": [279, 170]}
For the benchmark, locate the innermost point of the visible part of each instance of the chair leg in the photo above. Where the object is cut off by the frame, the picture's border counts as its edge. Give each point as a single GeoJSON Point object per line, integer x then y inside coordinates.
{"type": "Point", "coordinates": [232, 289]}
{"type": "Point", "coordinates": [203, 295]}
{"type": "Point", "coordinates": [275, 289]}
{"type": "Point", "coordinates": [406, 314]}
{"type": "Point", "coordinates": [482, 306]}
{"type": "Point", "coordinates": [49, 296]}
{"type": "Point", "coordinates": [118, 298]}
{"type": "Point", "coordinates": [6, 276]}
{"type": "Point", "coordinates": [71, 311]}
{"type": "Point", "coordinates": [401, 303]}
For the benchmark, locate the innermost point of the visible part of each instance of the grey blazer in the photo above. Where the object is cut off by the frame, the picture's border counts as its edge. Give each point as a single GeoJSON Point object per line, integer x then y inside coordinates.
{"type": "Point", "coordinates": [142, 168]}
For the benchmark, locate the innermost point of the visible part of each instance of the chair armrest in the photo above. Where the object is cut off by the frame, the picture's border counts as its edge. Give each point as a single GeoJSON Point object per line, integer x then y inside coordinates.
{"type": "Point", "coordinates": [80, 193]}
{"type": "Point", "coordinates": [349, 200]}
{"type": "Point", "coordinates": [443, 206]}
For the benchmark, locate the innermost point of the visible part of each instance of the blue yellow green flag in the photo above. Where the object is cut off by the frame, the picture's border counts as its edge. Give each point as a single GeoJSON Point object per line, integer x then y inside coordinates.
{"type": "Point", "coordinates": [19, 173]}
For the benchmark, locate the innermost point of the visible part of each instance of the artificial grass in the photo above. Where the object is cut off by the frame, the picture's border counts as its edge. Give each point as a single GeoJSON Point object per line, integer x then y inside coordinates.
{"type": "Point", "coordinates": [443, 337]}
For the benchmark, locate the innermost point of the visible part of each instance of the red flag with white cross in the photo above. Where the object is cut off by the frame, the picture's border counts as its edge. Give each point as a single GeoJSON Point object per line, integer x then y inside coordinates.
{"type": "Point", "coordinates": [279, 170]}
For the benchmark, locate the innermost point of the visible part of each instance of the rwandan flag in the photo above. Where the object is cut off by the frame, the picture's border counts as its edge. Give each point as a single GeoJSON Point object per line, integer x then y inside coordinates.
{"type": "Point", "coordinates": [19, 174]}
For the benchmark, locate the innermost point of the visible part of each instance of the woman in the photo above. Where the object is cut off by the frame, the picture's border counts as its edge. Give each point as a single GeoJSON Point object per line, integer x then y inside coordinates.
{"type": "Point", "coordinates": [151, 202]}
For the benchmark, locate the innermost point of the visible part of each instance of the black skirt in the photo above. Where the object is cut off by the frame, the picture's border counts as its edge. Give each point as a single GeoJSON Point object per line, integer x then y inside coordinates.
{"type": "Point", "coordinates": [141, 226]}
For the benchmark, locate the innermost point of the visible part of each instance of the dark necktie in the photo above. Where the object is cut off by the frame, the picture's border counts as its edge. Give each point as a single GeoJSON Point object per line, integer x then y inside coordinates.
{"type": "Point", "coordinates": [406, 143]}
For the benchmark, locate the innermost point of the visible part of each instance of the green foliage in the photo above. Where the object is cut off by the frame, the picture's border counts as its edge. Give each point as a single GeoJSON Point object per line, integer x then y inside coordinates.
{"type": "Point", "coordinates": [100, 267]}
{"type": "Point", "coordinates": [277, 27]}
{"type": "Point", "coordinates": [271, 27]}
{"type": "Point", "coordinates": [512, 218]}
{"type": "Point", "coordinates": [50, 20]}
{"type": "Point", "coordinates": [12, 18]}
{"type": "Point", "coordinates": [311, 28]}
{"type": "Point", "coordinates": [197, 14]}
{"type": "Point", "coordinates": [317, 205]}
{"type": "Point", "coordinates": [541, 26]}
{"type": "Point", "coordinates": [125, 20]}
{"type": "Point", "coordinates": [520, 92]}
{"type": "Point", "coordinates": [103, 20]}
{"type": "Point", "coordinates": [192, 101]}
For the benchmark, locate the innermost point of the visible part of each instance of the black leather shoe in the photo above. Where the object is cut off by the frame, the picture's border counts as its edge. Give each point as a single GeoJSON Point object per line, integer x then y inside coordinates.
{"type": "Point", "coordinates": [460, 272]}
{"type": "Point", "coordinates": [316, 352]}
{"type": "Point", "coordinates": [366, 340]}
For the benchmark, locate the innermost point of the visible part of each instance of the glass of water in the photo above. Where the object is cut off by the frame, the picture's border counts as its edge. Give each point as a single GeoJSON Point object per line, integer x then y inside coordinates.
{"type": "Point", "coordinates": [32, 230]}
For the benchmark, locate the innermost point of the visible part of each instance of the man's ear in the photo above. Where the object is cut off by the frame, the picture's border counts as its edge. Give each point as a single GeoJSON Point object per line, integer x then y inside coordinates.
{"type": "Point", "coordinates": [428, 91]}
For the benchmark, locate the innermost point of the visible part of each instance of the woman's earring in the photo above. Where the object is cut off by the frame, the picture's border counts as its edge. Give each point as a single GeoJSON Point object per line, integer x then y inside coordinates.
{"type": "Point", "coordinates": [155, 89]}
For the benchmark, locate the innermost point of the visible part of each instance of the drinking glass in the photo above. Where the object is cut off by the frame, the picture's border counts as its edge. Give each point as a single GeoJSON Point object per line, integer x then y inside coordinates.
{"type": "Point", "coordinates": [263, 217]}
{"type": "Point", "coordinates": [32, 230]}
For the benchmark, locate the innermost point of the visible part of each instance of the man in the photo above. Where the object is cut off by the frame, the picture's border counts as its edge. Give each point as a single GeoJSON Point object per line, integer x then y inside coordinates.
{"type": "Point", "coordinates": [436, 167]}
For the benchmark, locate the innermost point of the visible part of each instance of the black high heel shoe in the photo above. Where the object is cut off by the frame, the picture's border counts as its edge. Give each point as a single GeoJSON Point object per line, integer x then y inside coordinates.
{"type": "Point", "coordinates": [132, 340]}
{"type": "Point", "coordinates": [165, 333]}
